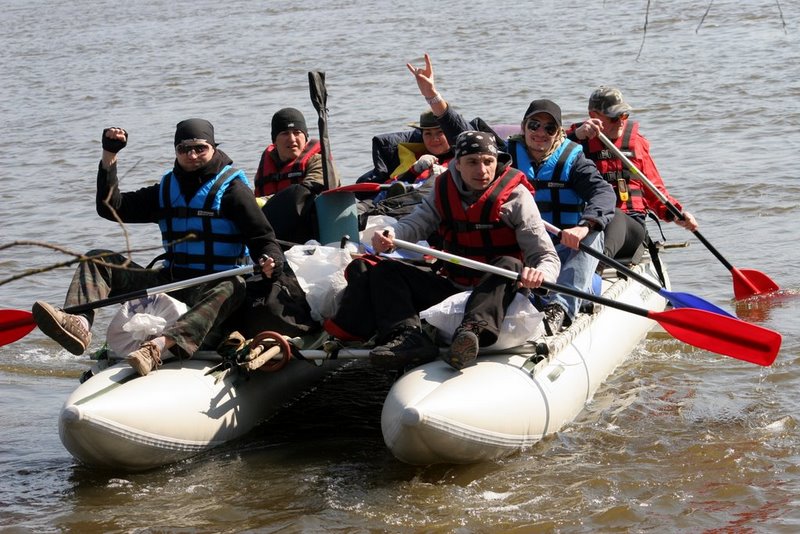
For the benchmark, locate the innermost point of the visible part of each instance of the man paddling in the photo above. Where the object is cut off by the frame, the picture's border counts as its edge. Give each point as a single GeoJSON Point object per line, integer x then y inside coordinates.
{"type": "Point", "coordinates": [609, 114]}
{"type": "Point", "coordinates": [483, 209]}
{"type": "Point", "coordinates": [208, 218]}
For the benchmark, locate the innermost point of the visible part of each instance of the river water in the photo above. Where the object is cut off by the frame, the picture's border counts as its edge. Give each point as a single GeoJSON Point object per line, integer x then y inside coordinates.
{"type": "Point", "coordinates": [677, 439]}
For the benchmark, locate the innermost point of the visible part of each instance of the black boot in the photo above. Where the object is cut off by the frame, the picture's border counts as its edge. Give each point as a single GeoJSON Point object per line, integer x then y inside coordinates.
{"type": "Point", "coordinates": [554, 319]}
{"type": "Point", "coordinates": [404, 347]}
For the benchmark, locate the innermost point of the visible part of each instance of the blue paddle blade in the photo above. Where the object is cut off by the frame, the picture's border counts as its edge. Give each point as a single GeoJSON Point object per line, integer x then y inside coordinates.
{"type": "Point", "coordinates": [687, 300]}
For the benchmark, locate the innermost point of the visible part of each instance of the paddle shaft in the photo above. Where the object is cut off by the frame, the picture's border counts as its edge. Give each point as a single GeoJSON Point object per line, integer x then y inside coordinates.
{"type": "Point", "coordinates": [738, 276]}
{"type": "Point", "coordinates": [678, 300]}
{"type": "Point", "coordinates": [16, 324]}
{"type": "Point", "coordinates": [166, 288]}
{"type": "Point", "coordinates": [608, 261]}
{"type": "Point", "coordinates": [493, 269]}
{"type": "Point", "coordinates": [703, 329]}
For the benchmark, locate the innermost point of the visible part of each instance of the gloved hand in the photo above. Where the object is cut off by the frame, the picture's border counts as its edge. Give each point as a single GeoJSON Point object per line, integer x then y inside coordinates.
{"type": "Point", "coordinates": [437, 169]}
{"type": "Point", "coordinates": [424, 163]}
{"type": "Point", "coordinates": [114, 145]}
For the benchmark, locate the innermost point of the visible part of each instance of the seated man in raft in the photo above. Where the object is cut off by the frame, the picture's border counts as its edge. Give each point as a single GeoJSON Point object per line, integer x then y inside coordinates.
{"type": "Point", "coordinates": [289, 177]}
{"type": "Point", "coordinates": [478, 189]}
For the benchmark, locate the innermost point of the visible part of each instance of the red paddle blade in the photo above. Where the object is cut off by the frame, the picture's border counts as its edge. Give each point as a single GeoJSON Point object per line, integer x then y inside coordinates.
{"type": "Point", "coordinates": [14, 325]}
{"type": "Point", "coordinates": [721, 334]}
{"type": "Point", "coordinates": [749, 282]}
{"type": "Point", "coordinates": [365, 187]}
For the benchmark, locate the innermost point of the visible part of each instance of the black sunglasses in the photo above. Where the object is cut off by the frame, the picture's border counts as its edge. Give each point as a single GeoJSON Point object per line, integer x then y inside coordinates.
{"type": "Point", "coordinates": [614, 120]}
{"type": "Point", "coordinates": [551, 128]}
{"type": "Point", "coordinates": [197, 149]}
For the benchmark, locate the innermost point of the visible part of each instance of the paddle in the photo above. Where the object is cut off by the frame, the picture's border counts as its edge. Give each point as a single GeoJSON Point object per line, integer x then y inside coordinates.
{"type": "Point", "coordinates": [319, 99]}
{"type": "Point", "coordinates": [746, 282]}
{"type": "Point", "coordinates": [337, 214]}
{"type": "Point", "coordinates": [15, 324]}
{"type": "Point", "coordinates": [678, 300]}
{"type": "Point", "coordinates": [709, 331]}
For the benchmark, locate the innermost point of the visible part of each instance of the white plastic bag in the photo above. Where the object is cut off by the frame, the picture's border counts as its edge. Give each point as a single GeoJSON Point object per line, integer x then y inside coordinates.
{"type": "Point", "coordinates": [521, 322]}
{"type": "Point", "coordinates": [140, 320]}
{"type": "Point", "coordinates": [320, 271]}
{"type": "Point", "coordinates": [375, 223]}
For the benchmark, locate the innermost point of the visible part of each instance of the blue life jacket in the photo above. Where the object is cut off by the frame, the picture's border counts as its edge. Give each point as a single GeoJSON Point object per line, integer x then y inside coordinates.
{"type": "Point", "coordinates": [559, 205]}
{"type": "Point", "coordinates": [218, 244]}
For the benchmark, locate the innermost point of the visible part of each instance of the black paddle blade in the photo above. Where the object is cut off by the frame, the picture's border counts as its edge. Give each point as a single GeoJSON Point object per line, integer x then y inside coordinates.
{"type": "Point", "coordinates": [319, 99]}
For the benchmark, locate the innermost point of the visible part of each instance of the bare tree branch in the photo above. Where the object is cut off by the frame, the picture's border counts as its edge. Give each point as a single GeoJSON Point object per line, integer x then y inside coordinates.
{"type": "Point", "coordinates": [644, 30]}
{"type": "Point", "coordinates": [78, 257]}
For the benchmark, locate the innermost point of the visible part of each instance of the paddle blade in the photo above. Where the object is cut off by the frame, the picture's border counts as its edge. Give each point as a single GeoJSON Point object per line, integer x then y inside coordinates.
{"type": "Point", "coordinates": [363, 187]}
{"type": "Point", "coordinates": [14, 325]}
{"type": "Point", "coordinates": [687, 300]}
{"type": "Point", "coordinates": [749, 282]}
{"type": "Point", "coordinates": [720, 334]}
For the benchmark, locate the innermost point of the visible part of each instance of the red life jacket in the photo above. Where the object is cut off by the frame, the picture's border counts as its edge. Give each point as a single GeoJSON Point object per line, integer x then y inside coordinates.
{"type": "Point", "coordinates": [477, 231]}
{"type": "Point", "coordinates": [270, 179]}
{"type": "Point", "coordinates": [629, 192]}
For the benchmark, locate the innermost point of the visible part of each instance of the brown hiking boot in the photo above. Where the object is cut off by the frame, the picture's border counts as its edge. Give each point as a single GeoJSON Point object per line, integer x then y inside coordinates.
{"type": "Point", "coordinates": [65, 329]}
{"type": "Point", "coordinates": [145, 358]}
{"type": "Point", "coordinates": [465, 345]}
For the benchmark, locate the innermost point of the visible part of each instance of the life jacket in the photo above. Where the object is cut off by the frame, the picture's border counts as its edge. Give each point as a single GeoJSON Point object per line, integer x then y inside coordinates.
{"type": "Point", "coordinates": [476, 232]}
{"type": "Point", "coordinates": [271, 179]}
{"type": "Point", "coordinates": [558, 204]}
{"type": "Point", "coordinates": [629, 192]}
{"type": "Point", "coordinates": [218, 245]}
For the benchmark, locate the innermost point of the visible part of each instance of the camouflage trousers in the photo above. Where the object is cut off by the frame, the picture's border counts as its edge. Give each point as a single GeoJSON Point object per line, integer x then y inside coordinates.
{"type": "Point", "coordinates": [210, 304]}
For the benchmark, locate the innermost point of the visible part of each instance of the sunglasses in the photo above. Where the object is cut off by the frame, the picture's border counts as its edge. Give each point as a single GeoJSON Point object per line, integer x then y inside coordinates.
{"type": "Point", "coordinates": [550, 128]}
{"type": "Point", "coordinates": [615, 120]}
{"type": "Point", "coordinates": [197, 149]}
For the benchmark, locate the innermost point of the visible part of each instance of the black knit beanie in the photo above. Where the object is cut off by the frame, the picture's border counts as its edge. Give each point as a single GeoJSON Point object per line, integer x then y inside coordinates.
{"type": "Point", "coordinates": [288, 119]}
{"type": "Point", "coordinates": [194, 129]}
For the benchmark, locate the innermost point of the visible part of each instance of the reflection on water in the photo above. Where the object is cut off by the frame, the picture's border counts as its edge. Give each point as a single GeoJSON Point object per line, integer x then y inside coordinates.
{"type": "Point", "coordinates": [760, 309]}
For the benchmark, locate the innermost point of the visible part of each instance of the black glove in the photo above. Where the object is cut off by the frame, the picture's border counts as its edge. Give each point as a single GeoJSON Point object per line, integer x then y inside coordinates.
{"type": "Point", "coordinates": [114, 145]}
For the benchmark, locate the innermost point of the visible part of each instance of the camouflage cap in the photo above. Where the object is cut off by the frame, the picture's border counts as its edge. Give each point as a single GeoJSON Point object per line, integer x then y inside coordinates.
{"type": "Point", "coordinates": [608, 101]}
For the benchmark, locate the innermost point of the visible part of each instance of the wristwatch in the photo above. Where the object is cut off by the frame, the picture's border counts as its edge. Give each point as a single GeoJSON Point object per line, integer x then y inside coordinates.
{"type": "Point", "coordinates": [587, 224]}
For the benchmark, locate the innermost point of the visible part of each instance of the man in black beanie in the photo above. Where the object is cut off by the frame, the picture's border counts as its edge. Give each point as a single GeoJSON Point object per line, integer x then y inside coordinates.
{"type": "Point", "coordinates": [208, 219]}
{"type": "Point", "coordinates": [289, 177]}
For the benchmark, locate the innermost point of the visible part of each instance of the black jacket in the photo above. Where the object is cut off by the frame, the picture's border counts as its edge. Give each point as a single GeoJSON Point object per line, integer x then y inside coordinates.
{"type": "Point", "coordinates": [238, 205]}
